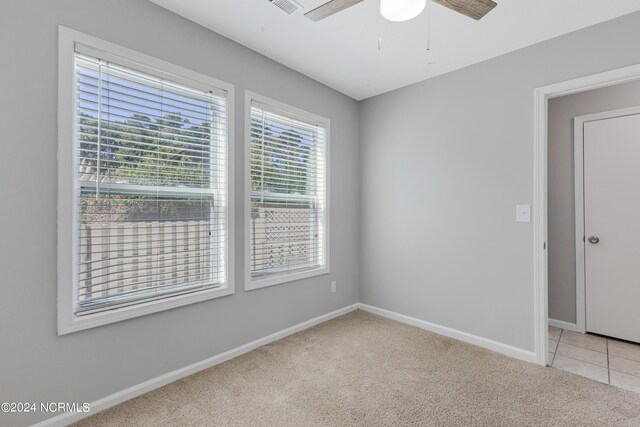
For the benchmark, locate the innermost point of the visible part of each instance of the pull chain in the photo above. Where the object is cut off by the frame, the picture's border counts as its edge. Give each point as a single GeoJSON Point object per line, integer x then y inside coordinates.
{"type": "Point", "coordinates": [428, 25]}
{"type": "Point", "coordinates": [380, 24]}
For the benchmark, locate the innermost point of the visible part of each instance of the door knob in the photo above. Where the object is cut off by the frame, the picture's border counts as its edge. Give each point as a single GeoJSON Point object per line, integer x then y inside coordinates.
{"type": "Point", "coordinates": [594, 239]}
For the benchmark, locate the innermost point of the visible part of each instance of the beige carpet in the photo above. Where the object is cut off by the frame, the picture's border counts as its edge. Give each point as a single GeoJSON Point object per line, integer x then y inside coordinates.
{"type": "Point", "coordinates": [364, 370]}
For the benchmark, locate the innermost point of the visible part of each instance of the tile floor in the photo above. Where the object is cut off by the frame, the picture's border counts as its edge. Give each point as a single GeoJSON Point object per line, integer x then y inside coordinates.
{"type": "Point", "coordinates": [602, 359]}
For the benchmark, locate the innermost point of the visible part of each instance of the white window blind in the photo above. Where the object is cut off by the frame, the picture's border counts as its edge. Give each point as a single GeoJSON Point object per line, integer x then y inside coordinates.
{"type": "Point", "coordinates": [151, 193]}
{"type": "Point", "coordinates": [288, 193]}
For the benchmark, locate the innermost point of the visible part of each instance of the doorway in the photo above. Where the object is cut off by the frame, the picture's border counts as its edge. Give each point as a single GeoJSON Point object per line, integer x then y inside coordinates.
{"type": "Point", "coordinates": [548, 342]}
{"type": "Point", "coordinates": [542, 95]}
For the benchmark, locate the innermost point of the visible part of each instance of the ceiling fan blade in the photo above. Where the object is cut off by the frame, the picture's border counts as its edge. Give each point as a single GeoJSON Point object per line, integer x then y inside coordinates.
{"type": "Point", "coordinates": [475, 9]}
{"type": "Point", "coordinates": [329, 8]}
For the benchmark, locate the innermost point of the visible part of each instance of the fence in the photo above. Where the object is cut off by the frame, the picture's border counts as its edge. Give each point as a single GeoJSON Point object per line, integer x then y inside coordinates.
{"type": "Point", "coordinates": [282, 238]}
{"type": "Point", "coordinates": [121, 258]}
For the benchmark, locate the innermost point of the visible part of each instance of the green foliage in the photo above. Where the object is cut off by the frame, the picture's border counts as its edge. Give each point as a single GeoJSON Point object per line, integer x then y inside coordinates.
{"type": "Point", "coordinates": [167, 151]}
{"type": "Point", "coordinates": [279, 161]}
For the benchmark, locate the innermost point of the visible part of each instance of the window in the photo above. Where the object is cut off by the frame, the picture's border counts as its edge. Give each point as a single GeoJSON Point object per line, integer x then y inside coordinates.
{"type": "Point", "coordinates": [149, 186]}
{"type": "Point", "coordinates": [287, 222]}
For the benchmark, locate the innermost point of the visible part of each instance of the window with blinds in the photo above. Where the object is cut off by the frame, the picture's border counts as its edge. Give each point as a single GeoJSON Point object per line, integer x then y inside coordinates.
{"type": "Point", "coordinates": [151, 186]}
{"type": "Point", "coordinates": [288, 194]}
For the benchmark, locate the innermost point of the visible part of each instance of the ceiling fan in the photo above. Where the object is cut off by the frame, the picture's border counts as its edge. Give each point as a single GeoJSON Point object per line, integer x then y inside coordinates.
{"type": "Point", "coordinates": [403, 10]}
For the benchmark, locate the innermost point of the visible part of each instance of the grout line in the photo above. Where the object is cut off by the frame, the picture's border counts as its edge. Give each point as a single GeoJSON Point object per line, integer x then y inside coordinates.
{"type": "Point", "coordinates": [626, 358]}
{"type": "Point", "coordinates": [555, 350]}
{"type": "Point", "coordinates": [625, 373]}
{"type": "Point", "coordinates": [559, 338]}
{"type": "Point", "coordinates": [622, 357]}
{"type": "Point", "coordinates": [584, 361]}
{"type": "Point", "coordinates": [609, 369]}
{"type": "Point", "coordinates": [618, 356]}
{"type": "Point", "coordinates": [582, 346]}
{"type": "Point", "coordinates": [579, 360]}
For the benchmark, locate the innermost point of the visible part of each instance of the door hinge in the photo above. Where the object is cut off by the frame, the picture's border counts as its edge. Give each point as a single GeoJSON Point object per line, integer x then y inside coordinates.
{"type": "Point", "coordinates": [544, 245]}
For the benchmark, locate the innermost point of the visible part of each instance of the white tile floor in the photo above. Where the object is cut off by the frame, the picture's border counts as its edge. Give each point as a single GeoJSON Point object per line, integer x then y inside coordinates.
{"type": "Point", "coordinates": [602, 359]}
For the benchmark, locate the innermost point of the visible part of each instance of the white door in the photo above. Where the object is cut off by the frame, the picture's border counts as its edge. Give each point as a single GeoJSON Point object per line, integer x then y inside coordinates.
{"type": "Point", "coordinates": [612, 226]}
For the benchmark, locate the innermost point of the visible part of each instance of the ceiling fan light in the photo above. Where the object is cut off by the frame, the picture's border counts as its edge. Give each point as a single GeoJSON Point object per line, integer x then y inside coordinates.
{"type": "Point", "coordinates": [401, 10]}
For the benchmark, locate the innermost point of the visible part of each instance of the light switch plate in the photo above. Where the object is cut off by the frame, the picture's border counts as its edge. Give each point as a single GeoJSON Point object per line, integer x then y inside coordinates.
{"type": "Point", "coordinates": [523, 213]}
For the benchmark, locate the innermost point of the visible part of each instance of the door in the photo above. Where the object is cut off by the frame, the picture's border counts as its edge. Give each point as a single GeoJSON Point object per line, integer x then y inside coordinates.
{"type": "Point", "coordinates": [612, 226]}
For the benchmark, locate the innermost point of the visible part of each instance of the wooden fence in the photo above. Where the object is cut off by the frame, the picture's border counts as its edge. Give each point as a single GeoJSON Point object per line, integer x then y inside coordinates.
{"type": "Point", "coordinates": [121, 258]}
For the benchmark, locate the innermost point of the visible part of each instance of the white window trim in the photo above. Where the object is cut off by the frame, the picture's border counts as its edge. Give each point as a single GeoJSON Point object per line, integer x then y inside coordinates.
{"type": "Point", "coordinates": [249, 283]}
{"type": "Point", "coordinates": [68, 321]}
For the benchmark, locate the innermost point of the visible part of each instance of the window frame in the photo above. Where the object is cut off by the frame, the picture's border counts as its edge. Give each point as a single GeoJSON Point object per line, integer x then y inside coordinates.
{"type": "Point", "coordinates": [69, 185]}
{"type": "Point", "coordinates": [284, 277]}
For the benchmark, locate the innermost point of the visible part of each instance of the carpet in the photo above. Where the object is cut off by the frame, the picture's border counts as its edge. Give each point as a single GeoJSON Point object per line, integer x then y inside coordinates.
{"type": "Point", "coordinates": [364, 370]}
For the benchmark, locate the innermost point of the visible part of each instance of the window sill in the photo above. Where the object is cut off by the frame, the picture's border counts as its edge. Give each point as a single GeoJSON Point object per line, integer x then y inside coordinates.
{"type": "Point", "coordinates": [251, 284]}
{"type": "Point", "coordinates": [78, 323]}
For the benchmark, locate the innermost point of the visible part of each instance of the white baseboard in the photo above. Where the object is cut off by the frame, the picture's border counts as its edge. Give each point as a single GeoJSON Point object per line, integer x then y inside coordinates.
{"type": "Point", "coordinates": [154, 383]}
{"type": "Point", "coordinates": [517, 353]}
{"type": "Point", "coordinates": [563, 325]}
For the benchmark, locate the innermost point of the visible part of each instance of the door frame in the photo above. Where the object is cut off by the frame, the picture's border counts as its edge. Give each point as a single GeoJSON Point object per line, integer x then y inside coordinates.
{"type": "Point", "coordinates": [542, 95]}
{"type": "Point", "coordinates": [578, 155]}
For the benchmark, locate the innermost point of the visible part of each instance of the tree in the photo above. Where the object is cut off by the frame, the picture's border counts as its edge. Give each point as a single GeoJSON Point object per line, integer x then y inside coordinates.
{"type": "Point", "coordinates": [279, 161]}
{"type": "Point", "coordinates": [166, 151]}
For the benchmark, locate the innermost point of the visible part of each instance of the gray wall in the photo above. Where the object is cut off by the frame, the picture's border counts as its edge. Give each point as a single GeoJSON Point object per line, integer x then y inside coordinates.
{"type": "Point", "coordinates": [444, 162]}
{"type": "Point", "coordinates": [428, 194]}
{"type": "Point", "coordinates": [36, 364]}
{"type": "Point", "coordinates": [562, 256]}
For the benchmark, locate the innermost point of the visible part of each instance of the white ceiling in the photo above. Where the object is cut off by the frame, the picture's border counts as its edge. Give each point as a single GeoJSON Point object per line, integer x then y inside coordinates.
{"type": "Point", "coordinates": [342, 50]}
